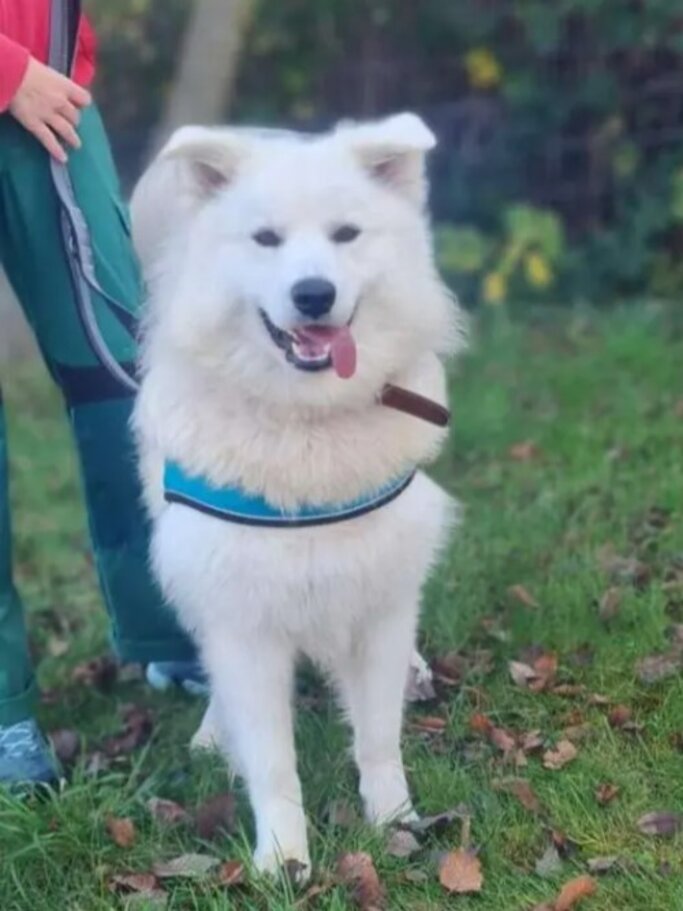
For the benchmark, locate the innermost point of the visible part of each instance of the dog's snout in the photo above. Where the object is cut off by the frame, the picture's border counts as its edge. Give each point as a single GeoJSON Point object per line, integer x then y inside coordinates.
{"type": "Point", "coordinates": [314, 297]}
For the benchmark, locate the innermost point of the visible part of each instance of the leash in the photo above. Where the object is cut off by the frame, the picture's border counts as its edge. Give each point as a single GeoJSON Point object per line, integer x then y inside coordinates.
{"type": "Point", "coordinates": [64, 20]}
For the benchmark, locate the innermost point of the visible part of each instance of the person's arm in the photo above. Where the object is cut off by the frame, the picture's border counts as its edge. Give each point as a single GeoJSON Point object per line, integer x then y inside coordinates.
{"type": "Point", "coordinates": [46, 103]}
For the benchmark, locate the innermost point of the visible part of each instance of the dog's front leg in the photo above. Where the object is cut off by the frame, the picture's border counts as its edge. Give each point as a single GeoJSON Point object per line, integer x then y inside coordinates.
{"type": "Point", "coordinates": [373, 679]}
{"type": "Point", "coordinates": [252, 685]}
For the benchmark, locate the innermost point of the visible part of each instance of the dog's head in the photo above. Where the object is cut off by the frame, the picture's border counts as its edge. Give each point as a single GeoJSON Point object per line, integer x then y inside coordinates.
{"type": "Point", "coordinates": [298, 266]}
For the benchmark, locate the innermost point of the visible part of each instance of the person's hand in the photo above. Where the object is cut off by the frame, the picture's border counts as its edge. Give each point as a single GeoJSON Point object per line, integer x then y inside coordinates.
{"type": "Point", "coordinates": [48, 105]}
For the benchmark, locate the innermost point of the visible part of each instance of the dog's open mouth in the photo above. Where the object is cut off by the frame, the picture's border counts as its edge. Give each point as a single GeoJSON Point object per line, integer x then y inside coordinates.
{"type": "Point", "coordinates": [314, 347]}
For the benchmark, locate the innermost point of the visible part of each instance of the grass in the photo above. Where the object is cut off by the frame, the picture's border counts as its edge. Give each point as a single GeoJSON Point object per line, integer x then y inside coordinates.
{"type": "Point", "coordinates": [600, 399]}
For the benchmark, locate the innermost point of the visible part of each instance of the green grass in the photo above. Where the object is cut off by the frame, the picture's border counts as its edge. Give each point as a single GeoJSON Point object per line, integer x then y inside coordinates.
{"type": "Point", "coordinates": [600, 398]}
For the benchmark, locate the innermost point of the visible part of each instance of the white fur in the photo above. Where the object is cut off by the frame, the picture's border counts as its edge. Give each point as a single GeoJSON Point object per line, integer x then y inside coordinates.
{"type": "Point", "coordinates": [219, 397]}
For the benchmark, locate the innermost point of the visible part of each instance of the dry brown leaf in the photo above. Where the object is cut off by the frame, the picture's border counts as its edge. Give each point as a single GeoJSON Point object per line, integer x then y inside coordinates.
{"type": "Point", "coordinates": [577, 732]}
{"type": "Point", "coordinates": [531, 741]}
{"type": "Point", "coordinates": [503, 740]}
{"type": "Point", "coordinates": [100, 672]}
{"type": "Point", "coordinates": [568, 690]}
{"type": "Point", "coordinates": [610, 604]}
{"type": "Point", "coordinates": [439, 822]}
{"type": "Point", "coordinates": [663, 823]}
{"type": "Point", "coordinates": [619, 716]}
{"type": "Point", "coordinates": [402, 843]}
{"type": "Point", "coordinates": [460, 872]}
{"type": "Point", "coordinates": [215, 815]}
{"type": "Point", "coordinates": [526, 451]}
{"type": "Point", "coordinates": [557, 759]}
{"type": "Point", "coordinates": [187, 866]}
{"type": "Point", "coordinates": [550, 864]}
{"type": "Point", "coordinates": [521, 673]}
{"type": "Point", "coordinates": [167, 812]}
{"type": "Point", "coordinates": [66, 744]}
{"type": "Point", "coordinates": [601, 865]}
{"type": "Point", "coordinates": [522, 790]}
{"type": "Point", "coordinates": [659, 667]}
{"type": "Point", "coordinates": [137, 727]}
{"type": "Point", "coordinates": [523, 595]}
{"type": "Point", "coordinates": [357, 872]}
{"type": "Point", "coordinates": [230, 873]}
{"type": "Point", "coordinates": [121, 831]}
{"type": "Point", "coordinates": [134, 882]}
{"type": "Point", "coordinates": [574, 891]}
{"type": "Point", "coordinates": [429, 724]}
{"type": "Point", "coordinates": [605, 793]}
{"type": "Point", "coordinates": [598, 700]}
{"type": "Point", "coordinates": [480, 724]}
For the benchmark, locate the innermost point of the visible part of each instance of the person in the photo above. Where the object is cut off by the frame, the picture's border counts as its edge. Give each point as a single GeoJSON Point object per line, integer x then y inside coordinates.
{"type": "Point", "coordinates": [65, 246]}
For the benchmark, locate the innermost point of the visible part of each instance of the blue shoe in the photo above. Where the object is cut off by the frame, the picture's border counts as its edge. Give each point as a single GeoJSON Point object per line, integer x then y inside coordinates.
{"type": "Point", "coordinates": [25, 756]}
{"type": "Point", "coordinates": [188, 675]}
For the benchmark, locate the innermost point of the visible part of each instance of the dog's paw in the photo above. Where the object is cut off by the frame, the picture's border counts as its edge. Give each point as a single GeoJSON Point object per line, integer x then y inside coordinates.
{"type": "Point", "coordinates": [386, 798]}
{"type": "Point", "coordinates": [295, 863]}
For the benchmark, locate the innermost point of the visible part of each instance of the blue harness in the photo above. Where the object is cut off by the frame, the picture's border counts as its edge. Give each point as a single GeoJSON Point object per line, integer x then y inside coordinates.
{"type": "Point", "coordinates": [235, 505]}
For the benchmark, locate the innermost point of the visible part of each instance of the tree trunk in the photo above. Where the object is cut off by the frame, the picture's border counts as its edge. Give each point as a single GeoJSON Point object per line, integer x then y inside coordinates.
{"type": "Point", "coordinates": [208, 63]}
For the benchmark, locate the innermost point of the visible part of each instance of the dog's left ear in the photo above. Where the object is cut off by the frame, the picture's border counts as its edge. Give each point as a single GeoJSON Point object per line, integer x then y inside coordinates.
{"type": "Point", "coordinates": [393, 151]}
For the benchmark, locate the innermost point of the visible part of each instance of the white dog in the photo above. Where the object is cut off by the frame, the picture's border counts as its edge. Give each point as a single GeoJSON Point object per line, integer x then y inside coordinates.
{"type": "Point", "coordinates": [291, 278]}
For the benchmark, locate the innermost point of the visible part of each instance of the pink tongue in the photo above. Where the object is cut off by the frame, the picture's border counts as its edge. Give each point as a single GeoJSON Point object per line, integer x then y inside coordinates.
{"type": "Point", "coordinates": [342, 346]}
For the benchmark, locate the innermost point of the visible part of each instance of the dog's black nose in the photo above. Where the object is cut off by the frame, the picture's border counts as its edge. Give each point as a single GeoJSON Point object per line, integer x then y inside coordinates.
{"type": "Point", "coordinates": [314, 296]}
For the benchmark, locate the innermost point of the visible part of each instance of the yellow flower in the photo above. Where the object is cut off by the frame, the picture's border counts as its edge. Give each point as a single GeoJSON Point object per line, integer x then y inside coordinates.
{"type": "Point", "coordinates": [483, 70]}
{"type": "Point", "coordinates": [539, 273]}
{"type": "Point", "coordinates": [495, 288]}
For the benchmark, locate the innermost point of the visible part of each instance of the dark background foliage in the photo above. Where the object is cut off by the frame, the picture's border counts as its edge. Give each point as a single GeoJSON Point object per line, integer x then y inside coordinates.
{"type": "Point", "coordinates": [559, 174]}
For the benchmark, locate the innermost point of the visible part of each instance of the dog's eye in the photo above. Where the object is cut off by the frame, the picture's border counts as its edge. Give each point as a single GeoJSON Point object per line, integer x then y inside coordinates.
{"type": "Point", "coordinates": [266, 237]}
{"type": "Point", "coordinates": [344, 234]}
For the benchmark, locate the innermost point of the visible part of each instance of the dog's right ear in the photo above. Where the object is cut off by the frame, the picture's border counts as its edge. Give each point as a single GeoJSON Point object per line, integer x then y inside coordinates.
{"type": "Point", "coordinates": [195, 164]}
{"type": "Point", "coordinates": [210, 157]}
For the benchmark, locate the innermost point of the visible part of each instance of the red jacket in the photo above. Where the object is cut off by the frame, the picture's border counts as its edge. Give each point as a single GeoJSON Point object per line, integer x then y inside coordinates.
{"type": "Point", "coordinates": [24, 32]}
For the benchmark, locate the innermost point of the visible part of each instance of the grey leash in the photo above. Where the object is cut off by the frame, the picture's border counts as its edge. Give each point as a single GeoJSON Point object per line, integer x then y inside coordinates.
{"type": "Point", "coordinates": [64, 19]}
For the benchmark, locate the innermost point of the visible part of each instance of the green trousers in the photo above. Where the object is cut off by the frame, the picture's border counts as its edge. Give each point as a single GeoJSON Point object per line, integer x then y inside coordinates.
{"type": "Point", "coordinates": [32, 251]}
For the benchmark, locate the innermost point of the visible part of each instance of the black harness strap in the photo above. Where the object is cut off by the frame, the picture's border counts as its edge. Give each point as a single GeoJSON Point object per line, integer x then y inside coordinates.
{"type": "Point", "coordinates": [64, 21]}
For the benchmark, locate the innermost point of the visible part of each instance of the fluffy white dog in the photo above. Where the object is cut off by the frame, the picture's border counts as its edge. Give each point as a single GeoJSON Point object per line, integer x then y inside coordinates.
{"type": "Point", "coordinates": [291, 278]}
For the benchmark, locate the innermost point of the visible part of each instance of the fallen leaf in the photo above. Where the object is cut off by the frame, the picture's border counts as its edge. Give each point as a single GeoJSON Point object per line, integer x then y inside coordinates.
{"type": "Point", "coordinates": [550, 864]}
{"type": "Point", "coordinates": [568, 690]}
{"type": "Point", "coordinates": [100, 673]}
{"type": "Point", "coordinates": [597, 699]}
{"type": "Point", "coordinates": [626, 570]}
{"type": "Point", "coordinates": [521, 673]}
{"type": "Point", "coordinates": [402, 843]}
{"type": "Point", "coordinates": [134, 882]}
{"type": "Point", "coordinates": [66, 744]}
{"type": "Point", "coordinates": [480, 724]}
{"type": "Point", "coordinates": [525, 451]}
{"type": "Point", "coordinates": [601, 865]}
{"type": "Point", "coordinates": [438, 822]}
{"type": "Point", "coordinates": [521, 594]}
{"type": "Point", "coordinates": [531, 741]}
{"type": "Point", "coordinates": [137, 727]}
{"type": "Point", "coordinates": [577, 732]}
{"type": "Point", "coordinates": [215, 815]}
{"type": "Point", "coordinates": [564, 753]}
{"type": "Point", "coordinates": [564, 845]}
{"type": "Point", "coordinates": [574, 891]}
{"type": "Point", "coordinates": [357, 872]}
{"type": "Point", "coordinates": [96, 763]}
{"type": "Point", "coordinates": [678, 408]}
{"type": "Point", "coordinates": [453, 668]}
{"type": "Point", "coordinates": [122, 831]}
{"type": "Point", "coordinates": [610, 604]}
{"type": "Point", "coordinates": [57, 647]}
{"type": "Point", "coordinates": [503, 740]}
{"type": "Point", "coordinates": [659, 667]}
{"type": "Point", "coordinates": [230, 873]}
{"type": "Point", "coordinates": [342, 814]}
{"type": "Point", "coordinates": [187, 866]}
{"type": "Point", "coordinates": [605, 793]}
{"type": "Point", "coordinates": [429, 724]}
{"type": "Point", "coordinates": [665, 824]}
{"type": "Point", "coordinates": [522, 790]}
{"type": "Point", "coordinates": [167, 812]}
{"type": "Point", "coordinates": [619, 716]}
{"type": "Point", "coordinates": [460, 872]}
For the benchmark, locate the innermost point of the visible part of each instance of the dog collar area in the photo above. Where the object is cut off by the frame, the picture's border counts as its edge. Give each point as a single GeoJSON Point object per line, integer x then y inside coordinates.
{"type": "Point", "coordinates": [233, 504]}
